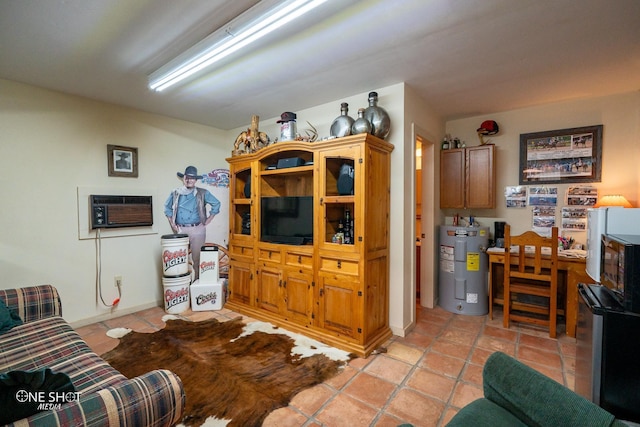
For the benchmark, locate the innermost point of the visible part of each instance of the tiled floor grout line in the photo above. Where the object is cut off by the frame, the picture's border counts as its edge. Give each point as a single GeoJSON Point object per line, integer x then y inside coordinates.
{"type": "Point", "coordinates": [414, 367]}
{"type": "Point", "coordinates": [459, 379]}
{"type": "Point", "coordinates": [417, 365]}
{"type": "Point", "coordinates": [400, 386]}
{"type": "Point", "coordinates": [381, 411]}
{"type": "Point", "coordinates": [447, 404]}
{"type": "Point", "coordinates": [360, 371]}
{"type": "Point", "coordinates": [334, 395]}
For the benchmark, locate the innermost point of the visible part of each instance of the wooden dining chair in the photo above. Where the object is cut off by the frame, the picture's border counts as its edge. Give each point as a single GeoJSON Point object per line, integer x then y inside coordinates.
{"type": "Point", "coordinates": [531, 290]}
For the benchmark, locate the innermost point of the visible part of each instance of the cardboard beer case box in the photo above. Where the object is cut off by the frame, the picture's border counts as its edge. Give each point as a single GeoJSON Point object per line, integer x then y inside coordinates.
{"type": "Point", "coordinates": [208, 296]}
{"type": "Point", "coordinates": [209, 265]}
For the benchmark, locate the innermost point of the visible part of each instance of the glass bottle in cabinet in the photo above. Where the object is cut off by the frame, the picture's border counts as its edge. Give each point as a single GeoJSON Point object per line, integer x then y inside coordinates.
{"type": "Point", "coordinates": [348, 227]}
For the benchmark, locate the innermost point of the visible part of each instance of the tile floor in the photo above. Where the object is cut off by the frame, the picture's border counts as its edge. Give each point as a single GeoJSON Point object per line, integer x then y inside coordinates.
{"type": "Point", "coordinates": [422, 379]}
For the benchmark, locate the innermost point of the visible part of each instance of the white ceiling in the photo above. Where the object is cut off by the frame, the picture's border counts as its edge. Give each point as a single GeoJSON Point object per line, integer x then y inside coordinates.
{"type": "Point", "coordinates": [464, 57]}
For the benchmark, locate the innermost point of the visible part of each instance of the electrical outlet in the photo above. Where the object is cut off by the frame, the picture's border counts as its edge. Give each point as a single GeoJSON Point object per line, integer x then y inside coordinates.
{"type": "Point", "coordinates": [117, 281]}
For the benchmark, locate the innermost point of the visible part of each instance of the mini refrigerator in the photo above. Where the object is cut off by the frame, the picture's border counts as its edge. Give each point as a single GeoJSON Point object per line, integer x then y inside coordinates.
{"type": "Point", "coordinates": [608, 353]}
{"type": "Point", "coordinates": [463, 270]}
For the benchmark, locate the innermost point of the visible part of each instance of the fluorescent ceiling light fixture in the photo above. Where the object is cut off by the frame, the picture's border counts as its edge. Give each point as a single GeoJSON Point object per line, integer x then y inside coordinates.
{"type": "Point", "coordinates": [242, 31]}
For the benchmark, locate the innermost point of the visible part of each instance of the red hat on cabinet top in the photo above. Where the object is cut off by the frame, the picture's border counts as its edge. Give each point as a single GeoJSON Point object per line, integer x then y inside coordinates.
{"type": "Point", "coordinates": [488, 127]}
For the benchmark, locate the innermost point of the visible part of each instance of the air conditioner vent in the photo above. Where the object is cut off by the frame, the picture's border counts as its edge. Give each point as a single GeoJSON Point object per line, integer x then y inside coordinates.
{"type": "Point", "coordinates": [121, 200]}
{"type": "Point", "coordinates": [112, 211]}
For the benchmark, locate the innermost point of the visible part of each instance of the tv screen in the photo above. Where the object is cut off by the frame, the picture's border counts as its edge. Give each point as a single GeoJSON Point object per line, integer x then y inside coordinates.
{"type": "Point", "coordinates": [287, 220]}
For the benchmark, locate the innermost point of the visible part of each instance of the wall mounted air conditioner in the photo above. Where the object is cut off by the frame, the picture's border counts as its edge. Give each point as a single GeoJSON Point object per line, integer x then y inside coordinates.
{"type": "Point", "coordinates": [120, 211]}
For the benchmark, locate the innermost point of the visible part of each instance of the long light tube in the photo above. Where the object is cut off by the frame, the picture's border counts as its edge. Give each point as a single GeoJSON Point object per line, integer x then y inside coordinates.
{"type": "Point", "coordinates": [209, 54]}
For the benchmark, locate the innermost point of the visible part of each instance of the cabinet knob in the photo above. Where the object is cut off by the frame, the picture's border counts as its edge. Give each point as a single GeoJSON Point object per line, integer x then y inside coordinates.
{"type": "Point", "coordinates": [299, 259]}
{"type": "Point", "coordinates": [339, 263]}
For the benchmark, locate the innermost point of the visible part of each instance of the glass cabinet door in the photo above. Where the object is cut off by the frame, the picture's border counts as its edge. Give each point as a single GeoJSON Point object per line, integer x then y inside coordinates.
{"type": "Point", "coordinates": [240, 210]}
{"type": "Point", "coordinates": [339, 170]}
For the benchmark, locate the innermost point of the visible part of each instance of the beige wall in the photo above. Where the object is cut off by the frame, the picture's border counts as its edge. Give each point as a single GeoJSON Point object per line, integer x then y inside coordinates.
{"type": "Point", "coordinates": [620, 115]}
{"type": "Point", "coordinates": [56, 145]}
{"type": "Point", "coordinates": [52, 144]}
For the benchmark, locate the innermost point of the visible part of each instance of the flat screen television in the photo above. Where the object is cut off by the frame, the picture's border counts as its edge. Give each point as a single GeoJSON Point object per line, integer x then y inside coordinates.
{"type": "Point", "coordinates": [287, 220]}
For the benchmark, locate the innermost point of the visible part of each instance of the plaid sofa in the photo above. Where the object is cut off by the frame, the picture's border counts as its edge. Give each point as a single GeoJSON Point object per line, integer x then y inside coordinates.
{"type": "Point", "coordinates": [105, 397]}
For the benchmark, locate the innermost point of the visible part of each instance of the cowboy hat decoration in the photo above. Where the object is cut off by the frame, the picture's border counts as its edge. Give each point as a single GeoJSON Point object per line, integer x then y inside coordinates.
{"type": "Point", "coordinates": [190, 172]}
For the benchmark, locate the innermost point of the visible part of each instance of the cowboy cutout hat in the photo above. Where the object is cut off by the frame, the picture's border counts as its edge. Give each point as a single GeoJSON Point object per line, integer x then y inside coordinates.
{"type": "Point", "coordinates": [190, 172]}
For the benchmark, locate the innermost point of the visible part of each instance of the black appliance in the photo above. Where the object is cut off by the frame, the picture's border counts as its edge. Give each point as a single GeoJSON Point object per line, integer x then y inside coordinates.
{"type": "Point", "coordinates": [345, 180]}
{"type": "Point", "coordinates": [620, 268]}
{"type": "Point", "coordinates": [290, 162]}
{"type": "Point", "coordinates": [287, 220]}
{"type": "Point", "coordinates": [498, 233]}
{"type": "Point", "coordinates": [608, 352]}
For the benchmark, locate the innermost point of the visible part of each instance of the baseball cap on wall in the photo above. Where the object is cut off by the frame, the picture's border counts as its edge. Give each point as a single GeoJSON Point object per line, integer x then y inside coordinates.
{"type": "Point", "coordinates": [488, 127]}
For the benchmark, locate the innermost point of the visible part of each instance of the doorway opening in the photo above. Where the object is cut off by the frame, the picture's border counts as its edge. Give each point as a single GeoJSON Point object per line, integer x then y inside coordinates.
{"type": "Point", "coordinates": [424, 292]}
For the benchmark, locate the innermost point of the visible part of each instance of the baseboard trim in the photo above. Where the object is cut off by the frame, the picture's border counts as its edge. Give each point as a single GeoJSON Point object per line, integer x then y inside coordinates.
{"type": "Point", "coordinates": [402, 332]}
{"type": "Point", "coordinates": [114, 315]}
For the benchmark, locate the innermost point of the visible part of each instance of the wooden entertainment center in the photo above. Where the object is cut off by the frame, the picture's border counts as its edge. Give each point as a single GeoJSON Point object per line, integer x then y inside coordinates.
{"type": "Point", "coordinates": [337, 293]}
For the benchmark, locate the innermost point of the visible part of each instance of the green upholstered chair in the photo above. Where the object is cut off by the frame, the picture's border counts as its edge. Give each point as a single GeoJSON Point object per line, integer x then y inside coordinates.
{"type": "Point", "coordinates": [517, 395]}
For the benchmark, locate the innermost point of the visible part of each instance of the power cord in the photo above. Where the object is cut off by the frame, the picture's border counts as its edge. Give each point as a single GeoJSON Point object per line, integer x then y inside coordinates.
{"type": "Point", "coordinates": [99, 273]}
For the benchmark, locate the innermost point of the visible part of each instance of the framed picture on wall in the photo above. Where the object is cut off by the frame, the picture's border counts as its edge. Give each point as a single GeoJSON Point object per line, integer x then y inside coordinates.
{"type": "Point", "coordinates": [561, 156]}
{"type": "Point", "coordinates": [122, 161]}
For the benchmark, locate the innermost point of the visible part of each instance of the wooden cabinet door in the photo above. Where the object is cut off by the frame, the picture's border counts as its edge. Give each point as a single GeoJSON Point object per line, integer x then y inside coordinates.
{"type": "Point", "coordinates": [298, 296]}
{"type": "Point", "coordinates": [480, 177]}
{"type": "Point", "coordinates": [240, 278]}
{"type": "Point", "coordinates": [340, 310]}
{"type": "Point", "coordinates": [268, 289]}
{"type": "Point", "coordinates": [452, 181]}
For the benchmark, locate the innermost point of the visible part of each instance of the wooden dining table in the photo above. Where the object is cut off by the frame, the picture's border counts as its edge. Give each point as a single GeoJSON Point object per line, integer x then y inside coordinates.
{"type": "Point", "coordinates": [571, 271]}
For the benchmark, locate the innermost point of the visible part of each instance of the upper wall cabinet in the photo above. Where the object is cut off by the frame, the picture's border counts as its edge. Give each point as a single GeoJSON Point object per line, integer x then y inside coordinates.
{"type": "Point", "coordinates": [468, 178]}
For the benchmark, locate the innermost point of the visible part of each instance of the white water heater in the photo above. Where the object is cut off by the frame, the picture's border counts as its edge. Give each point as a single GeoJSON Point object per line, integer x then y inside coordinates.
{"type": "Point", "coordinates": [463, 270]}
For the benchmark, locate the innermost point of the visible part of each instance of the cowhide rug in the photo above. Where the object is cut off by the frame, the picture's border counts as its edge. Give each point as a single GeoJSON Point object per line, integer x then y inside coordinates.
{"type": "Point", "coordinates": [233, 374]}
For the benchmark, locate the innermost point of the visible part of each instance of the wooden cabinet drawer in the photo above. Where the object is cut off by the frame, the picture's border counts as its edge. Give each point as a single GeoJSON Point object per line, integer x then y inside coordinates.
{"type": "Point", "coordinates": [270, 255]}
{"type": "Point", "coordinates": [241, 250]}
{"type": "Point", "coordinates": [339, 265]}
{"type": "Point", "coordinates": [297, 259]}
